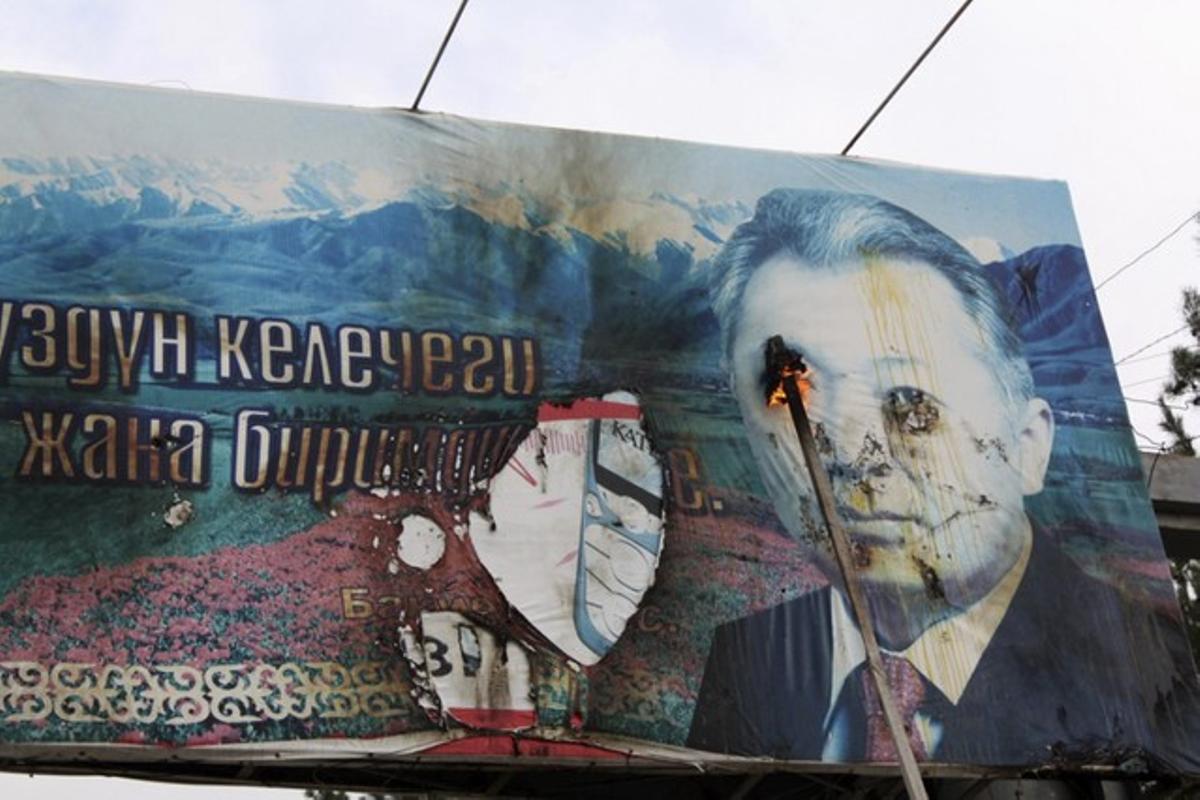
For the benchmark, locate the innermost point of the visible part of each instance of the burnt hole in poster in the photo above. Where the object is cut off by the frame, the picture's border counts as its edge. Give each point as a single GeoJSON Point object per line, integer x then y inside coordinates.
{"type": "Point", "coordinates": [992, 446]}
{"type": "Point", "coordinates": [861, 555]}
{"type": "Point", "coordinates": [580, 504]}
{"type": "Point", "coordinates": [821, 437]}
{"type": "Point", "coordinates": [463, 671]}
{"type": "Point", "coordinates": [871, 448]}
{"type": "Point", "coordinates": [912, 411]}
{"type": "Point", "coordinates": [929, 576]}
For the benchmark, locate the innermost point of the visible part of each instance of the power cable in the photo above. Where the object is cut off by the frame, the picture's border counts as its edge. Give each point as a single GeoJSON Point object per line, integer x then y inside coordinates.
{"type": "Point", "coordinates": [437, 58]}
{"type": "Point", "coordinates": [1157, 443]}
{"type": "Point", "coordinates": [1144, 348]}
{"type": "Point", "coordinates": [1162, 448]}
{"type": "Point", "coordinates": [1155, 403]}
{"type": "Point", "coordinates": [1154, 442]}
{"type": "Point", "coordinates": [1125, 362]}
{"type": "Point", "coordinates": [907, 75]}
{"type": "Point", "coordinates": [1150, 249]}
{"type": "Point", "coordinates": [1144, 382]}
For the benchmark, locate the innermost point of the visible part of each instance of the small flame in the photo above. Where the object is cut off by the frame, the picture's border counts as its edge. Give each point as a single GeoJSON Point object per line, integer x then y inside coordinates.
{"type": "Point", "coordinates": [803, 379]}
{"type": "Point", "coordinates": [783, 364]}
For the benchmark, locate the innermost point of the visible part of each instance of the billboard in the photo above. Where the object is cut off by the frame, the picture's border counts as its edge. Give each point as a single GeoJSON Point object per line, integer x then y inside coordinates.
{"type": "Point", "coordinates": [412, 435]}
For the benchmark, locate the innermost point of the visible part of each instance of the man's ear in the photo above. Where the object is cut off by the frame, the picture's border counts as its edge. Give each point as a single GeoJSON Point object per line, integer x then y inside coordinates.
{"type": "Point", "coordinates": [1036, 440]}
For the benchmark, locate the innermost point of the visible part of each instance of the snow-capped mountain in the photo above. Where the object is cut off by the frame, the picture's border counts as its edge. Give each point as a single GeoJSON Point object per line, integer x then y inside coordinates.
{"type": "Point", "coordinates": [51, 196]}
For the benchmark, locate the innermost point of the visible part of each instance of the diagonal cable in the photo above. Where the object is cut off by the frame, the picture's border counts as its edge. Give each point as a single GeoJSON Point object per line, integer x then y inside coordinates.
{"type": "Point", "coordinates": [1195, 215]}
{"type": "Point", "coordinates": [1125, 362]}
{"type": "Point", "coordinates": [929, 49]}
{"type": "Point", "coordinates": [1146, 347]}
{"type": "Point", "coordinates": [1144, 401]}
{"type": "Point", "coordinates": [1159, 379]}
{"type": "Point", "coordinates": [1154, 442]}
{"type": "Point", "coordinates": [438, 58]}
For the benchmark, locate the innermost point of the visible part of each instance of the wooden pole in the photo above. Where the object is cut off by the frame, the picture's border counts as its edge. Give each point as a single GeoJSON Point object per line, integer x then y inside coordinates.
{"type": "Point", "coordinates": [841, 548]}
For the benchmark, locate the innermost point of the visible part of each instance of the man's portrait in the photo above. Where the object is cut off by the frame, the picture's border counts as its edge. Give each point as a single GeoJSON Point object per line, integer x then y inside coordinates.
{"type": "Point", "coordinates": [924, 410]}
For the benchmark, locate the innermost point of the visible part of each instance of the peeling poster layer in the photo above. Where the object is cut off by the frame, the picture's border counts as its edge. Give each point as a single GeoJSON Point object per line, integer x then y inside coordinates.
{"type": "Point", "coordinates": [576, 525]}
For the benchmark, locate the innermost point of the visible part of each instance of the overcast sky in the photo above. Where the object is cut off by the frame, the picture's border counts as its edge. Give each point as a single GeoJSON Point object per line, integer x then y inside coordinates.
{"type": "Point", "coordinates": [1100, 93]}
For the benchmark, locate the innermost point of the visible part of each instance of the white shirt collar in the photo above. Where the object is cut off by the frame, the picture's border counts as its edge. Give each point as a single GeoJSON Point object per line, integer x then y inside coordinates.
{"type": "Point", "coordinates": [947, 653]}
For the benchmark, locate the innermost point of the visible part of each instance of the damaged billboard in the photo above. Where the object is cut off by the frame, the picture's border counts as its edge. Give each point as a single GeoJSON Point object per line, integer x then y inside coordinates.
{"type": "Point", "coordinates": [332, 430]}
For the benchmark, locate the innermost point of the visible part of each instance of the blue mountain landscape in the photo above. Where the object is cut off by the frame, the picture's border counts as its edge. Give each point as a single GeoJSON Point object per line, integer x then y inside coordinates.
{"type": "Point", "coordinates": [302, 243]}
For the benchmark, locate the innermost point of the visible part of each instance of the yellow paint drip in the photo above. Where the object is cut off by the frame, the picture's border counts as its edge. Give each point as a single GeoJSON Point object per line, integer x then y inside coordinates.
{"type": "Point", "coordinates": [899, 338]}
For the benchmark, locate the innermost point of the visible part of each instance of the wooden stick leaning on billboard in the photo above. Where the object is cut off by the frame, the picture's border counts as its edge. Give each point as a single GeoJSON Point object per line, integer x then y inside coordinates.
{"type": "Point", "coordinates": [784, 367]}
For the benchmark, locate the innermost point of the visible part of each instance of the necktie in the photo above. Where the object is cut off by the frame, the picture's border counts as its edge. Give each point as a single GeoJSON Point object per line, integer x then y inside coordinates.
{"type": "Point", "coordinates": [908, 690]}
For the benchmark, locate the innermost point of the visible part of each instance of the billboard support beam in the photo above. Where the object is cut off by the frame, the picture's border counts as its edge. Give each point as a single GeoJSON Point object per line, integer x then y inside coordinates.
{"type": "Point", "coordinates": [784, 367]}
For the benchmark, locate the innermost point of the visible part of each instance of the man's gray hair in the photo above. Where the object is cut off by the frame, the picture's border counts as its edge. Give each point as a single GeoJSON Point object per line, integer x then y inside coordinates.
{"type": "Point", "coordinates": [824, 229]}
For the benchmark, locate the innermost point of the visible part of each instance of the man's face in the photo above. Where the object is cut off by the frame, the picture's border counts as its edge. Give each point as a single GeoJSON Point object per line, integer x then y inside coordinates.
{"type": "Point", "coordinates": [928, 455]}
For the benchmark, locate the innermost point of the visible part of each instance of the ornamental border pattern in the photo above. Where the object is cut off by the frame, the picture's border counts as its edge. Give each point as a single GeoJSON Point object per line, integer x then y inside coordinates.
{"type": "Point", "coordinates": [179, 694]}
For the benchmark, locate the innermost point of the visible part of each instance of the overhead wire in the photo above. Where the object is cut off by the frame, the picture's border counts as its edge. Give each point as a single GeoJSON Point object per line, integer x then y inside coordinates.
{"type": "Point", "coordinates": [1160, 448]}
{"type": "Point", "coordinates": [928, 49]}
{"type": "Point", "coordinates": [1130, 358]}
{"type": "Point", "coordinates": [1155, 403]}
{"type": "Point", "coordinates": [1154, 442]}
{"type": "Point", "coordinates": [1128, 361]}
{"type": "Point", "coordinates": [1144, 382]}
{"type": "Point", "coordinates": [1195, 215]}
{"type": "Point", "coordinates": [438, 58]}
{"type": "Point", "coordinates": [1146, 347]}
{"type": "Point", "coordinates": [1161, 445]}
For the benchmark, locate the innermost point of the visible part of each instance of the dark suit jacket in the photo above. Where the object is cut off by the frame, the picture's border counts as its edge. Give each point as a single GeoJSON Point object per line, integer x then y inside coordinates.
{"type": "Point", "coordinates": [1073, 671]}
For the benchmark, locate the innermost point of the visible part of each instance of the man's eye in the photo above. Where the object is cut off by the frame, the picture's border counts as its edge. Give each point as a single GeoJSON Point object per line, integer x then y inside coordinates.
{"type": "Point", "coordinates": [911, 410]}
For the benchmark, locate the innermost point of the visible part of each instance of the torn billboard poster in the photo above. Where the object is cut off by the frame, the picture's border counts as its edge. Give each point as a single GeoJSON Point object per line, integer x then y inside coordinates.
{"type": "Point", "coordinates": [410, 430]}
